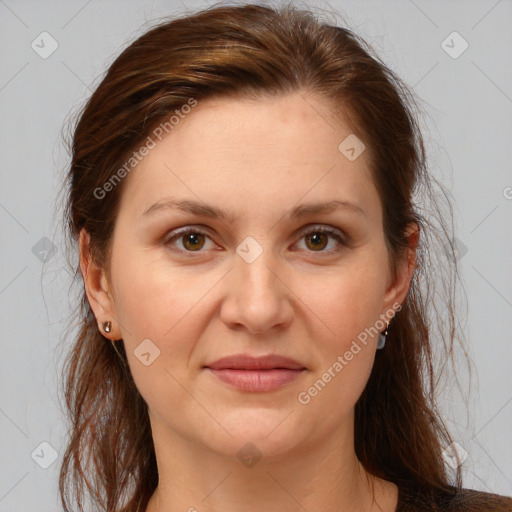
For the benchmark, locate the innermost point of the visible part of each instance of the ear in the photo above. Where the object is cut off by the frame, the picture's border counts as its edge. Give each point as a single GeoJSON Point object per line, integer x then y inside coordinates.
{"type": "Point", "coordinates": [98, 289]}
{"type": "Point", "coordinates": [398, 288]}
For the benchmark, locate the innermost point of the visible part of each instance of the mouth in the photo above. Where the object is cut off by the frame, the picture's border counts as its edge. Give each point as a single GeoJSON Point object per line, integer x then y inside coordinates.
{"type": "Point", "coordinates": [256, 374]}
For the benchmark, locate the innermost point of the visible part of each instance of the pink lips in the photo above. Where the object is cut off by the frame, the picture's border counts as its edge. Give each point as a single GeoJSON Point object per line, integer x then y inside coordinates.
{"type": "Point", "coordinates": [256, 374]}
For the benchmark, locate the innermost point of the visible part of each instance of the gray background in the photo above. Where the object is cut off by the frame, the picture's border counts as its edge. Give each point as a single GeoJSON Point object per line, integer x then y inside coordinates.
{"type": "Point", "coordinates": [468, 131]}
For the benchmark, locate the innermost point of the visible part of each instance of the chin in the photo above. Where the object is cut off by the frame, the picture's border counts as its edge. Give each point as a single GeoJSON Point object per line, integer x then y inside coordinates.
{"type": "Point", "coordinates": [264, 432]}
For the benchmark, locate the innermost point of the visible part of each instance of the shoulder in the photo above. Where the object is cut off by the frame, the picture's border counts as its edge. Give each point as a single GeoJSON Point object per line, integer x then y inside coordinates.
{"type": "Point", "coordinates": [453, 500]}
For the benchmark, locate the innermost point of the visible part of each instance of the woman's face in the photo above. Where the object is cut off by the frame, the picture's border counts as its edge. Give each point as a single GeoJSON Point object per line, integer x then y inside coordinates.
{"type": "Point", "coordinates": [261, 280]}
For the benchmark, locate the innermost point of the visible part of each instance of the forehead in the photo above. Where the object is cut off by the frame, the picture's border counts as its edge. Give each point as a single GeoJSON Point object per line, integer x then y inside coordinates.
{"type": "Point", "coordinates": [252, 154]}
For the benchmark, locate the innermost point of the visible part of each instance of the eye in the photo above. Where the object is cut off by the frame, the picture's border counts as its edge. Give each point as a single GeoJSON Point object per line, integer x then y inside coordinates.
{"type": "Point", "coordinates": [317, 238]}
{"type": "Point", "coordinates": [191, 240]}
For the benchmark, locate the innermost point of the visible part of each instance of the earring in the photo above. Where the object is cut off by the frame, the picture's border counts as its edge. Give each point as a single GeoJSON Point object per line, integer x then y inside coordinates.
{"type": "Point", "coordinates": [382, 338]}
{"type": "Point", "coordinates": [107, 326]}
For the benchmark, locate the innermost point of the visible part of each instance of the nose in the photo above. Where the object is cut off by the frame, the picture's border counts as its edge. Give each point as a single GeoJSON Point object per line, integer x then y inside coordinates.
{"type": "Point", "coordinates": [257, 297]}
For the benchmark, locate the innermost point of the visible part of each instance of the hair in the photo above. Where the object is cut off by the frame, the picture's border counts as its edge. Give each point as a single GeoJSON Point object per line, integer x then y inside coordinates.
{"type": "Point", "coordinates": [259, 51]}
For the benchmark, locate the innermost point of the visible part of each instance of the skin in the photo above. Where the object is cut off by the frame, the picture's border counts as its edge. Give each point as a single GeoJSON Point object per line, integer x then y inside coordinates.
{"type": "Point", "coordinates": [257, 159]}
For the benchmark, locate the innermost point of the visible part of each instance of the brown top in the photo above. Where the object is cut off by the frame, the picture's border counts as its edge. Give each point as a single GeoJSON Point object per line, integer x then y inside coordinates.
{"type": "Point", "coordinates": [465, 500]}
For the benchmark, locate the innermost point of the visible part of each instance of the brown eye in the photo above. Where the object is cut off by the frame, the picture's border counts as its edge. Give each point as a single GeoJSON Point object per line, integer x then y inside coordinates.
{"type": "Point", "coordinates": [193, 241]}
{"type": "Point", "coordinates": [317, 241]}
{"type": "Point", "coordinates": [188, 240]}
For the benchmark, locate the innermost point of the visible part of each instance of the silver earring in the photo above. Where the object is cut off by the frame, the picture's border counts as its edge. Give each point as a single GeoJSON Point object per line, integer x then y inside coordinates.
{"type": "Point", "coordinates": [107, 326]}
{"type": "Point", "coordinates": [381, 342]}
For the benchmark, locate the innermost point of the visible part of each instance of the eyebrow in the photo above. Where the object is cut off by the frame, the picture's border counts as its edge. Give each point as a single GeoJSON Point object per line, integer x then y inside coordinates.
{"type": "Point", "coordinates": [205, 210]}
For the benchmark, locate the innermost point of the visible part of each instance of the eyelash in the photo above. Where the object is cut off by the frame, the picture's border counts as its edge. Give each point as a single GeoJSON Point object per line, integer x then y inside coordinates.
{"type": "Point", "coordinates": [306, 231]}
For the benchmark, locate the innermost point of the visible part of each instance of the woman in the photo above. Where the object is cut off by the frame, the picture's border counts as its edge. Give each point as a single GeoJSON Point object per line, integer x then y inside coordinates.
{"type": "Point", "coordinates": [255, 328]}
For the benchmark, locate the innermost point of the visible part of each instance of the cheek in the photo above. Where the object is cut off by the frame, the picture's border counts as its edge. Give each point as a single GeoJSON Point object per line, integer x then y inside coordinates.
{"type": "Point", "coordinates": [152, 296]}
{"type": "Point", "coordinates": [157, 301]}
{"type": "Point", "coordinates": [347, 300]}
{"type": "Point", "coordinates": [345, 307]}
{"type": "Point", "coordinates": [161, 306]}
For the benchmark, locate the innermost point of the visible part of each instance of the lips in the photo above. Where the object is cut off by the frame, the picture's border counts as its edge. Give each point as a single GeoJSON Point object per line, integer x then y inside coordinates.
{"type": "Point", "coordinates": [256, 374]}
{"type": "Point", "coordinates": [247, 362]}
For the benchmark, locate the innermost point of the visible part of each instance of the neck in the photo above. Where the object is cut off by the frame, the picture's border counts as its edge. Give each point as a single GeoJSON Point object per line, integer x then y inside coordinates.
{"type": "Point", "coordinates": [326, 476]}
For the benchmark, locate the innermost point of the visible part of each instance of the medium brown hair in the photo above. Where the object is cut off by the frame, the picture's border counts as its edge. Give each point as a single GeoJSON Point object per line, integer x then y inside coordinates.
{"type": "Point", "coordinates": [256, 51]}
